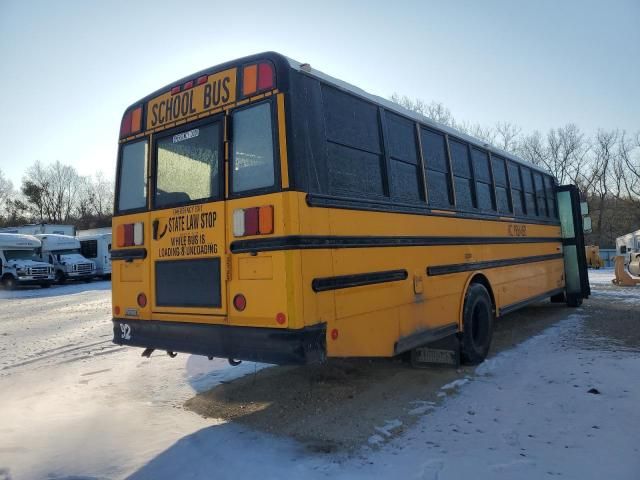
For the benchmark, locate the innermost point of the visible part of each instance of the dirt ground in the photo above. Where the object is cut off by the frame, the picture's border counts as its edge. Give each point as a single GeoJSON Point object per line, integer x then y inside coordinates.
{"type": "Point", "coordinates": [339, 406]}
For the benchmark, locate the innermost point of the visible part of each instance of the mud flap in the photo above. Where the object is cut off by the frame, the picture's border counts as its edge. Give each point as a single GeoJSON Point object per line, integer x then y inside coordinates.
{"type": "Point", "coordinates": [445, 351]}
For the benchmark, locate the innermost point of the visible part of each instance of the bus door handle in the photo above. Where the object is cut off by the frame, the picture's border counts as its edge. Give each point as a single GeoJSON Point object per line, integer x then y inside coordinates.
{"type": "Point", "coordinates": [156, 224]}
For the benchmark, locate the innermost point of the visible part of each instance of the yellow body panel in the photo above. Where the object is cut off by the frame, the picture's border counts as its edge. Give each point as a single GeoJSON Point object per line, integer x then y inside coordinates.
{"type": "Point", "coordinates": [369, 319]}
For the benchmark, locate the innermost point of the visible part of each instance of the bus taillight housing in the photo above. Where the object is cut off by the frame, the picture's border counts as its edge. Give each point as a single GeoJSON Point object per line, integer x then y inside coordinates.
{"type": "Point", "coordinates": [130, 234]}
{"type": "Point", "coordinates": [131, 122]}
{"type": "Point", "coordinates": [253, 221]}
{"type": "Point", "coordinates": [257, 77]}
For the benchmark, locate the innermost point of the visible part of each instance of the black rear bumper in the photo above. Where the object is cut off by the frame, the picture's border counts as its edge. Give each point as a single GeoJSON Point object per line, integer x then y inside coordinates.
{"type": "Point", "coordinates": [266, 345]}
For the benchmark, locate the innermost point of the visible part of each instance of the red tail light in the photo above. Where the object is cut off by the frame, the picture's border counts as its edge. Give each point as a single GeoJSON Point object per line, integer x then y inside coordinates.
{"type": "Point", "coordinates": [125, 126]}
{"type": "Point", "coordinates": [265, 76]}
{"type": "Point", "coordinates": [128, 234]}
{"type": "Point", "coordinates": [131, 122]}
{"type": "Point", "coordinates": [240, 302]}
{"type": "Point", "coordinates": [142, 300]}
{"type": "Point", "coordinates": [251, 225]}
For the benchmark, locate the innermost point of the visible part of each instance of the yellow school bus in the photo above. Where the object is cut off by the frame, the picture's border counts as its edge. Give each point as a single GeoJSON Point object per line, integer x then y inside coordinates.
{"type": "Point", "coordinates": [269, 212]}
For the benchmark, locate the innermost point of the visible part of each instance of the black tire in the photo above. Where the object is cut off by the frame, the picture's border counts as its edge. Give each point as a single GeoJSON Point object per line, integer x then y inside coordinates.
{"type": "Point", "coordinates": [45, 285]}
{"type": "Point", "coordinates": [60, 277]}
{"type": "Point", "coordinates": [9, 282]}
{"type": "Point", "coordinates": [573, 301]}
{"type": "Point", "coordinates": [477, 325]}
{"type": "Point", "coordinates": [88, 280]}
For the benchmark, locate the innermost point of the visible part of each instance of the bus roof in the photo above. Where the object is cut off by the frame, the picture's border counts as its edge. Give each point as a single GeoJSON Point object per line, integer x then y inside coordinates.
{"type": "Point", "coordinates": [305, 68]}
{"type": "Point", "coordinates": [281, 61]}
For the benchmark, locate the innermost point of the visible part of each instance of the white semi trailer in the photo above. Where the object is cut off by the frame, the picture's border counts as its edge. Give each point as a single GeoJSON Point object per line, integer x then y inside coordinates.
{"type": "Point", "coordinates": [21, 264]}
{"type": "Point", "coordinates": [63, 252]}
{"type": "Point", "coordinates": [96, 246]}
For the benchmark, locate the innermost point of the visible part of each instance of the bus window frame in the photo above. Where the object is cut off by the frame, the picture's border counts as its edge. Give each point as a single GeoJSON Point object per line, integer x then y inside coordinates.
{"type": "Point", "coordinates": [277, 178]}
{"type": "Point", "coordinates": [116, 211]}
{"type": "Point", "coordinates": [221, 167]}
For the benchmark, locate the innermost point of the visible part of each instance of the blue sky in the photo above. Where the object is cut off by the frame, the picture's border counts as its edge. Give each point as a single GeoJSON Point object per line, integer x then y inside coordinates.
{"type": "Point", "coordinates": [69, 68]}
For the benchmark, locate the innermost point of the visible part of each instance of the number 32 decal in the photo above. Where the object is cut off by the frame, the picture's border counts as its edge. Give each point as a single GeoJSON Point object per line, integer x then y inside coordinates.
{"type": "Point", "coordinates": [125, 329]}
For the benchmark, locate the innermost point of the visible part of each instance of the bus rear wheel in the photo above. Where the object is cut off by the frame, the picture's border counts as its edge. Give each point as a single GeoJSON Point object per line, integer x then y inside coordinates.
{"type": "Point", "coordinates": [477, 325]}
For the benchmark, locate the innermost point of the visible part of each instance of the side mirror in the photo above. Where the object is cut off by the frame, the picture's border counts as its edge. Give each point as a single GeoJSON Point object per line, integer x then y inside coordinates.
{"type": "Point", "coordinates": [586, 224]}
{"type": "Point", "coordinates": [584, 208]}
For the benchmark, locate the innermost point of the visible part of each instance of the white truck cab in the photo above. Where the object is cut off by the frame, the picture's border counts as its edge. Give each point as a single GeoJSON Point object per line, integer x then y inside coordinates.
{"type": "Point", "coordinates": [21, 264]}
{"type": "Point", "coordinates": [63, 252]}
{"type": "Point", "coordinates": [97, 248]}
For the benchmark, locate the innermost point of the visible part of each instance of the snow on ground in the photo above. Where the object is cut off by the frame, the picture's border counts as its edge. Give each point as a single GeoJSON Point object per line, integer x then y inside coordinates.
{"type": "Point", "coordinates": [600, 281]}
{"type": "Point", "coordinates": [602, 276]}
{"type": "Point", "coordinates": [73, 405]}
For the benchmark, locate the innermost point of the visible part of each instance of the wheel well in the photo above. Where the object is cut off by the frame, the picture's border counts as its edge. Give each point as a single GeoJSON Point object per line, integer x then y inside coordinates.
{"type": "Point", "coordinates": [7, 275]}
{"type": "Point", "coordinates": [484, 281]}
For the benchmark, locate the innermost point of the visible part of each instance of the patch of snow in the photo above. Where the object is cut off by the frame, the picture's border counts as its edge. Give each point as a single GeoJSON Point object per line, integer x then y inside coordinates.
{"type": "Point", "coordinates": [421, 407]}
{"type": "Point", "coordinates": [75, 406]}
{"type": "Point", "coordinates": [389, 427]}
{"type": "Point", "coordinates": [455, 384]}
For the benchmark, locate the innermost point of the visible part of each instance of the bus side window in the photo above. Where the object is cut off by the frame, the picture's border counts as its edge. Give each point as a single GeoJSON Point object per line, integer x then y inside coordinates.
{"type": "Point", "coordinates": [529, 198]}
{"type": "Point", "coordinates": [482, 172]}
{"type": "Point", "coordinates": [434, 151]}
{"type": "Point", "coordinates": [551, 201]}
{"type": "Point", "coordinates": [406, 177]}
{"type": "Point", "coordinates": [500, 177]}
{"type": "Point", "coordinates": [462, 177]}
{"type": "Point", "coordinates": [540, 196]}
{"type": "Point", "coordinates": [353, 143]}
{"type": "Point", "coordinates": [516, 188]}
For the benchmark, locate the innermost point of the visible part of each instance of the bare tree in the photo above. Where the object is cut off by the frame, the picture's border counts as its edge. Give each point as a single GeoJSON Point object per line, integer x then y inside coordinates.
{"type": "Point", "coordinates": [533, 149]}
{"type": "Point", "coordinates": [52, 190]}
{"type": "Point", "coordinates": [629, 152]}
{"type": "Point", "coordinates": [436, 111]}
{"type": "Point", "coordinates": [486, 134]}
{"type": "Point", "coordinates": [507, 135]}
{"type": "Point", "coordinates": [6, 191]}
{"type": "Point", "coordinates": [599, 178]}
